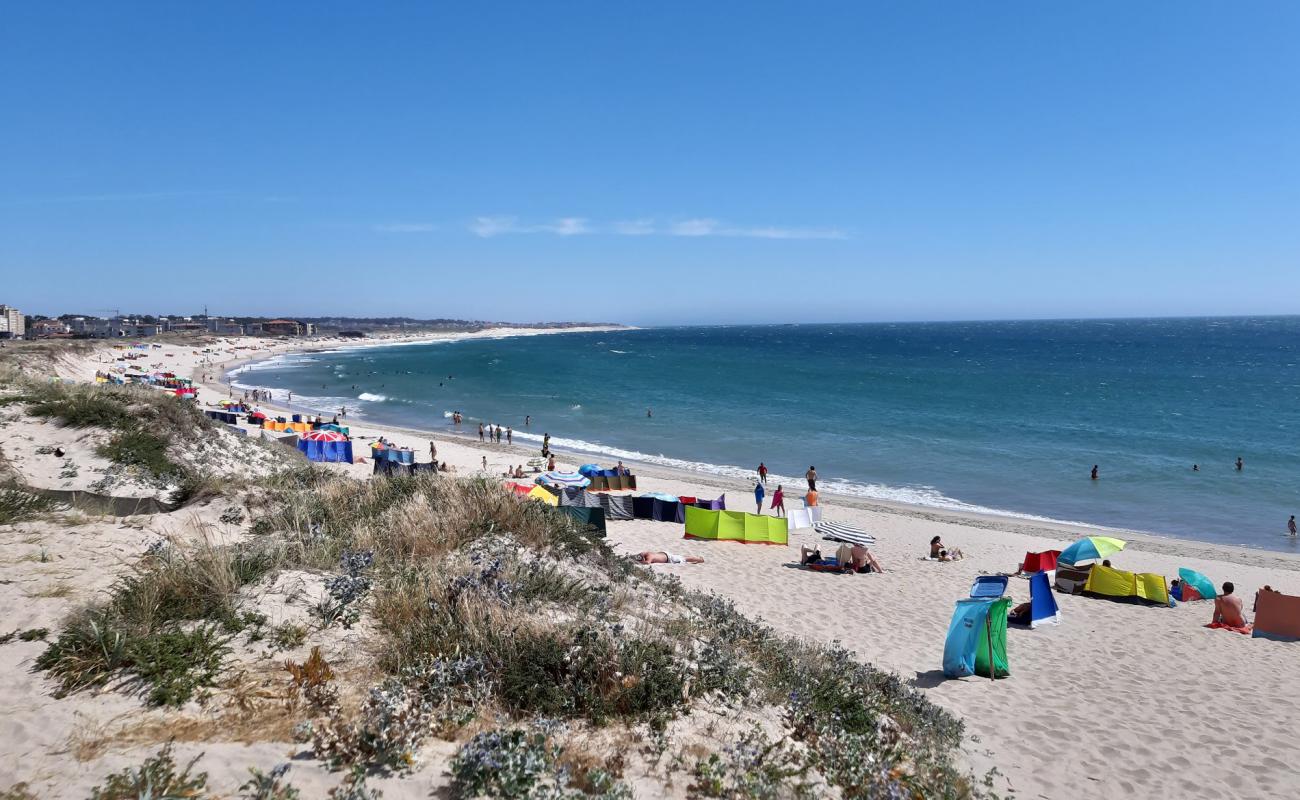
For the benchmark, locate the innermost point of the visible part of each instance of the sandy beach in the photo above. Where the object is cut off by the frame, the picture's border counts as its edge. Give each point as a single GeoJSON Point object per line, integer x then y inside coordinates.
{"type": "Point", "coordinates": [1117, 701]}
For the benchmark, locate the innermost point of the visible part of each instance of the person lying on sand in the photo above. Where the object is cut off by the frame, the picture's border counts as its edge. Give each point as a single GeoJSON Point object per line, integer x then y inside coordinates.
{"type": "Point", "coordinates": [651, 557]}
{"type": "Point", "coordinates": [1227, 608]}
{"type": "Point", "coordinates": [951, 555]}
{"type": "Point", "coordinates": [809, 555]}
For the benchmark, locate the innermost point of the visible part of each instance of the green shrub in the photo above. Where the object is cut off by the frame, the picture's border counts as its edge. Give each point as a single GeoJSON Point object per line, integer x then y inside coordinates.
{"type": "Point", "coordinates": [84, 408]}
{"type": "Point", "coordinates": [169, 666]}
{"type": "Point", "coordinates": [155, 779]}
{"type": "Point", "coordinates": [142, 449]}
{"type": "Point", "coordinates": [268, 785]}
{"type": "Point", "coordinates": [288, 636]}
{"type": "Point", "coordinates": [175, 665]}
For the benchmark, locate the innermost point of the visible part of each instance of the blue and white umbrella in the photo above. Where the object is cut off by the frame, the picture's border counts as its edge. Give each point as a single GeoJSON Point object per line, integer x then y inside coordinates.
{"type": "Point", "coordinates": [563, 479]}
{"type": "Point", "coordinates": [839, 532]}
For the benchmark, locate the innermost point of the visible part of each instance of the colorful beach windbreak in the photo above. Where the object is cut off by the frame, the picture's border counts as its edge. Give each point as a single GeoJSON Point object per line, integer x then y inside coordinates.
{"type": "Point", "coordinates": [1002, 416]}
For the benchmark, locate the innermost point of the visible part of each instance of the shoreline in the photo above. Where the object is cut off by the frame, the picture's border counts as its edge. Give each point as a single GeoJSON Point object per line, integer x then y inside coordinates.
{"type": "Point", "coordinates": [1150, 662]}
{"type": "Point", "coordinates": [1009, 522]}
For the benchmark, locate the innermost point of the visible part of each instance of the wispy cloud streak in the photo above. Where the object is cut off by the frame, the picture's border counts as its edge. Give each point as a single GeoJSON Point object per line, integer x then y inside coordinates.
{"type": "Point", "coordinates": [487, 227]}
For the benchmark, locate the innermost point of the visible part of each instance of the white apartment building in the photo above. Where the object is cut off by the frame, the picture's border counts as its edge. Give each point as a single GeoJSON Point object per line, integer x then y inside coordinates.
{"type": "Point", "coordinates": [13, 325]}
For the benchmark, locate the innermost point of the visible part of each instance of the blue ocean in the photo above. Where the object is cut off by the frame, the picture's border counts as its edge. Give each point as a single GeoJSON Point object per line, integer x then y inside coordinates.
{"type": "Point", "coordinates": [978, 416]}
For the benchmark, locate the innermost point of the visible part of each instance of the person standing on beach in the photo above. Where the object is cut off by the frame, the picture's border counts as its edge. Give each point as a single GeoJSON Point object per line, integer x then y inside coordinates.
{"type": "Point", "coordinates": [546, 444]}
{"type": "Point", "coordinates": [510, 435]}
{"type": "Point", "coordinates": [811, 475]}
{"type": "Point", "coordinates": [550, 463]}
{"type": "Point", "coordinates": [758, 497]}
{"type": "Point", "coordinates": [1240, 463]}
{"type": "Point", "coordinates": [433, 451]}
{"type": "Point", "coordinates": [1290, 525]}
{"type": "Point", "coordinates": [762, 473]}
{"type": "Point", "coordinates": [1094, 472]}
{"type": "Point", "coordinates": [778, 502]}
{"type": "Point", "coordinates": [527, 420]}
{"type": "Point", "coordinates": [480, 431]}
{"type": "Point", "coordinates": [485, 463]}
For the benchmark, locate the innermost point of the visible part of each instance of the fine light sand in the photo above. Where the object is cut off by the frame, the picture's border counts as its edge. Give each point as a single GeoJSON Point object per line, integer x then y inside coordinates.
{"type": "Point", "coordinates": [1117, 701]}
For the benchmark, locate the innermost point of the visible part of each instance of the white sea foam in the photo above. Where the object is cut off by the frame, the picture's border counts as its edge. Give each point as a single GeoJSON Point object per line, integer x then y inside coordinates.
{"type": "Point", "coordinates": [373, 398]}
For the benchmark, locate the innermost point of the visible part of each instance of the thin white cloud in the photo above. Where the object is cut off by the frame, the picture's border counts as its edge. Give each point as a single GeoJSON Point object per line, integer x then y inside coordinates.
{"type": "Point", "coordinates": [494, 226]}
{"type": "Point", "coordinates": [567, 226]}
{"type": "Point", "coordinates": [694, 227]}
{"type": "Point", "coordinates": [712, 227]}
{"type": "Point", "coordinates": [487, 227]}
{"type": "Point", "coordinates": [634, 227]}
{"type": "Point", "coordinates": [405, 227]}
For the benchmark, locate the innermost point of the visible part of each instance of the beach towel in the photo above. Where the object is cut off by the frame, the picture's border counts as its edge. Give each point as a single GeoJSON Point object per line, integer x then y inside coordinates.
{"type": "Point", "coordinates": [1247, 629]}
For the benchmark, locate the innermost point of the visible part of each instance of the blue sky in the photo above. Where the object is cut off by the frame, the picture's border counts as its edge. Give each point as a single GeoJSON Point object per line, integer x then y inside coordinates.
{"type": "Point", "coordinates": [653, 162]}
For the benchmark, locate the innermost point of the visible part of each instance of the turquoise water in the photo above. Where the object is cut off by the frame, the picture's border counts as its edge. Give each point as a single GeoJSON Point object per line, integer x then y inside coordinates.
{"type": "Point", "coordinates": [1006, 416]}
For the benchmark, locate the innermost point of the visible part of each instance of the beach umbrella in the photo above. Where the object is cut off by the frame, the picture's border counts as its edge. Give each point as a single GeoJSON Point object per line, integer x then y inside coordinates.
{"type": "Point", "coordinates": [323, 436]}
{"type": "Point", "coordinates": [557, 478]}
{"type": "Point", "coordinates": [587, 469]}
{"type": "Point", "coordinates": [1198, 582]}
{"type": "Point", "coordinates": [1090, 548]}
{"type": "Point", "coordinates": [840, 532]}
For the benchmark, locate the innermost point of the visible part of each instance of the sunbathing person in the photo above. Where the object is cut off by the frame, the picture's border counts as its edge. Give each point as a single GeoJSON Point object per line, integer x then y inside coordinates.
{"type": "Point", "coordinates": [809, 555]}
{"type": "Point", "coordinates": [660, 557]}
{"type": "Point", "coordinates": [1227, 608]}
{"type": "Point", "coordinates": [951, 555]}
{"type": "Point", "coordinates": [864, 561]}
{"type": "Point", "coordinates": [936, 545]}
{"type": "Point", "coordinates": [1020, 614]}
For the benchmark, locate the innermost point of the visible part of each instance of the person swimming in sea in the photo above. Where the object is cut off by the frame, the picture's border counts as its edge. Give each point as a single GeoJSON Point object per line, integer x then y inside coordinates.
{"type": "Point", "coordinates": [1094, 472]}
{"type": "Point", "coordinates": [1240, 463]}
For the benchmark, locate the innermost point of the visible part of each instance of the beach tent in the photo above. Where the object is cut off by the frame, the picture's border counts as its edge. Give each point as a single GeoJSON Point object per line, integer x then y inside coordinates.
{"type": "Point", "coordinates": [1131, 587]}
{"type": "Point", "coordinates": [539, 493]}
{"type": "Point", "coordinates": [977, 639]}
{"type": "Point", "coordinates": [542, 494]}
{"type": "Point", "coordinates": [717, 504]}
{"type": "Point", "coordinates": [1071, 579]}
{"type": "Point", "coordinates": [798, 518]}
{"type": "Point", "coordinates": [590, 517]}
{"type": "Point", "coordinates": [327, 451]}
{"type": "Point", "coordinates": [734, 526]}
{"type": "Point", "coordinates": [1277, 617]}
{"type": "Point", "coordinates": [1039, 562]}
{"type": "Point", "coordinates": [518, 488]}
{"type": "Point", "coordinates": [667, 511]}
{"type": "Point", "coordinates": [619, 507]}
{"type": "Point", "coordinates": [1042, 603]}
{"type": "Point", "coordinates": [1203, 586]}
{"type": "Point", "coordinates": [1091, 548]}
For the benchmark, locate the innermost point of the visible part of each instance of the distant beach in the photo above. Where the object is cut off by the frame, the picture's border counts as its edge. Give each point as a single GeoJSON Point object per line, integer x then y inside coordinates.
{"type": "Point", "coordinates": [1002, 419]}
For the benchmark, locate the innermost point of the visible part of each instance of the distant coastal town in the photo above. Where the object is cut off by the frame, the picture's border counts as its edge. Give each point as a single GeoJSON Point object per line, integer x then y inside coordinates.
{"type": "Point", "coordinates": [14, 324]}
